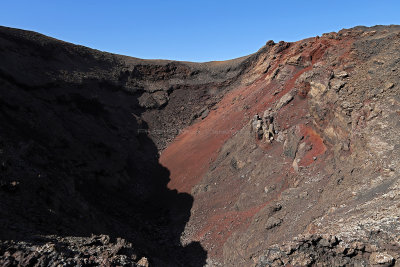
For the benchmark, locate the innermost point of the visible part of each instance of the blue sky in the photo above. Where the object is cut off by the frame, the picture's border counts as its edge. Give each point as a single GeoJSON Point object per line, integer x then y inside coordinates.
{"type": "Point", "coordinates": [191, 30]}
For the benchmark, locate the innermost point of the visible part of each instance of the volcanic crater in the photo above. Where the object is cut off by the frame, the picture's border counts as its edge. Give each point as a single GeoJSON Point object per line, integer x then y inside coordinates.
{"type": "Point", "coordinates": [289, 156]}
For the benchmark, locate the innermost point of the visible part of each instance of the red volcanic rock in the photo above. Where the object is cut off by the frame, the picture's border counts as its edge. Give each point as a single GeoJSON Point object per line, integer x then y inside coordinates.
{"type": "Point", "coordinates": [304, 87]}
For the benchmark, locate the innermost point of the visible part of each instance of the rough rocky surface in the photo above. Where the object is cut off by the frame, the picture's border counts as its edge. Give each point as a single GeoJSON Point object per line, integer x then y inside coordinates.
{"type": "Point", "coordinates": [331, 167]}
{"type": "Point", "coordinates": [289, 156]}
{"type": "Point", "coordinates": [71, 251]}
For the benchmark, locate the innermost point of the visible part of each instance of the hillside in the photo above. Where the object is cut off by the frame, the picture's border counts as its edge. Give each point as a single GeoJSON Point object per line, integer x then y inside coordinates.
{"type": "Point", "coordinates": [289, 156]}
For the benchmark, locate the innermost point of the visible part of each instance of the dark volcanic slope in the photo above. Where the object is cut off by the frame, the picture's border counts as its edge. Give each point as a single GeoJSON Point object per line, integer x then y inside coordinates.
{"type": "Point", "coordinates": [75, 153]}
{"type": "Point", "coordinates": [176, 90]}
{"type": "Point", "coordinates": [311, 180]}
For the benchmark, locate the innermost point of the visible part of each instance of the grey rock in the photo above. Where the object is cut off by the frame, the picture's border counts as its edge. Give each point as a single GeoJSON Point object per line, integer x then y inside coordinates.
{"type": "Point", "coordinates": [291, 143]}
{"type": "Point", "coordinates": [153, 100]}
{"type": "Point", "coordinates": [381, 258]}
{"type": "Point", "coordinates": [284, 100]}
{"type": "Point", "coordinates": [341, 74]}
{"type": "Point", "coordinates": [337, 84]}
{"type": "Point", "coordinates": [272, 223]}
{"type": "Point", "coordinates": [205, 114]}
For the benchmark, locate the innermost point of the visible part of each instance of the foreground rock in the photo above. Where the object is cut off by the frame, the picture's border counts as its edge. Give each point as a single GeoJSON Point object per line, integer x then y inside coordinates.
{"type": "Point", "coordinates": [70, 251]}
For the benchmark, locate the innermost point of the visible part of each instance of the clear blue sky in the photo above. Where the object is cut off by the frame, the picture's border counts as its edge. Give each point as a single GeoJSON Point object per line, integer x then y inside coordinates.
{"type": "Point", "coordinates": [191, 30]}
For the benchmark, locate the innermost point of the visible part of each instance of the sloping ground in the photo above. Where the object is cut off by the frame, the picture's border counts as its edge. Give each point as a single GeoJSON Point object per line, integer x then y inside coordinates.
{"type": "Point", "coordinates": [76, 157]}
{"type": "Point", "coordinates": [289, 156]}
{"type": "Point", "coordinates": [329, 177]}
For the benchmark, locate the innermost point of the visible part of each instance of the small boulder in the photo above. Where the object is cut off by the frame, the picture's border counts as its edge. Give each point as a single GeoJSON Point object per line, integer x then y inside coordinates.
{"type": "Point", "coordinates": [161, 98]}
{"type": "Point", "coordinates": [153, 100]}
{"type": "Point", "coordinates": [270, 43]}
{"type": "Point", "coordinates": [257, 127]}
{"type": "Point", "coordinates": [388, 85]}
{"type": "Point", "coordinates": [272, 223]}
{"type": "Point", "coordinates": [291, 143]}
{"type": "Point", "coordinates": [205, 114]}
{"type": "Point", "coordinates": [337, 84]}
{"type": "Point", "coordinates": [284, 100]}
{"type": "Point", "coordinates": [143, 262]}
{"type": "Point", "coordinates": [295, 60]}
{"type": "Point", "coordinates": [341, 74]}
{"type": "Point", "coordinates": [381, 258]}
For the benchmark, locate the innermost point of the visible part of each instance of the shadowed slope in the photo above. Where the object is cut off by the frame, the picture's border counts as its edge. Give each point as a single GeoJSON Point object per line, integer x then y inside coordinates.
{"type": "Point", "coordinates": [76, 159]}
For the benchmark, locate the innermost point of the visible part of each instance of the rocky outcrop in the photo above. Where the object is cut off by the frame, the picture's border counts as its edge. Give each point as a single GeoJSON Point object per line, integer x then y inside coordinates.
{"type": "Point", "coordinates": [71, 251]}
{"type": "Point", "coordinates": [264, 127]}
{"type": "Point", "coordinates": [315, 250]}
